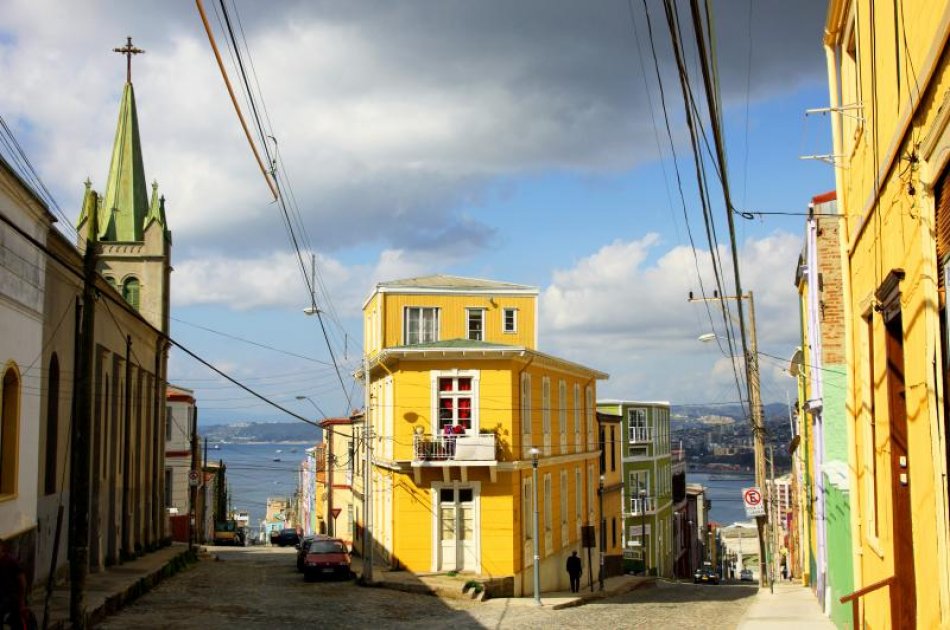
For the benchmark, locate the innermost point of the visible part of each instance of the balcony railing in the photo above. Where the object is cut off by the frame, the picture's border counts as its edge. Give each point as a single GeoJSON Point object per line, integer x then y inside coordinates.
{"type": "Point", "coordinates": [642, 505]}
{"type": "Point", "coordinates": [454, 448]}
{"type": "Point", "coordinates": [639, 435]}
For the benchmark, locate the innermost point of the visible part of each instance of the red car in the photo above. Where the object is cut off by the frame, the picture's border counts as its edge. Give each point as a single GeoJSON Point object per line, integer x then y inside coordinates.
{"type": "Point", "coordinates": [326, 557]}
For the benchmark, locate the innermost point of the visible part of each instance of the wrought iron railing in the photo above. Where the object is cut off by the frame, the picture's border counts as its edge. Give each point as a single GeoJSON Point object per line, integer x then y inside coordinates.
{"type": "Point", "coordinates": [460, 448]}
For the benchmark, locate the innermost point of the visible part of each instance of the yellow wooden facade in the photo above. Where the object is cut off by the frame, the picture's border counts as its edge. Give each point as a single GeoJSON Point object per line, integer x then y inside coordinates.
{"type": "Point", "coordinates": [464, 501]}
{"type": "Point", "coordinates": [890, 96]}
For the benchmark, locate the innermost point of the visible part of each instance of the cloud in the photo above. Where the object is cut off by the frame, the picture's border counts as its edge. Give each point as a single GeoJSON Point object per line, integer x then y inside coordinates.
{"type": "Point", "coordinates": [388, 116]}
{"type": "Point", "coordinates": [624, 310]}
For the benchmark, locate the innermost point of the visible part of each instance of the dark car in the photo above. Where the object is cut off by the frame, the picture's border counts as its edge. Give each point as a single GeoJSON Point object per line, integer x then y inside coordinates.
{"type": "Point", "coordinates": [326, 557]}
{"type": "Point", "coordinates": [705, 575]}
{"type": "Point", "coordinates": [304, 544]}
{"type": "Point", "coordinates": [287, 537]}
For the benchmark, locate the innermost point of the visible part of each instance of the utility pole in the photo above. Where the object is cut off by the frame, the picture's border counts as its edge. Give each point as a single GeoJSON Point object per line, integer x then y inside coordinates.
{"type": "Point", "coordinates": [80, 435]}
{"type": "Point", "coordinates": [758, 424]}
{"type": "Point", "coordinates": [193, 482]}
{"type": "Point", "coordinates": [367, 479]}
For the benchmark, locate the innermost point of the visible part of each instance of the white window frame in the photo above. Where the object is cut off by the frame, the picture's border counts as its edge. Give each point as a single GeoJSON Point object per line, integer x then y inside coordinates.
{"type": "Point", "coordinates": [546, 413]}
{"type": "Point", "coordinates": [436, 395]}
{"type": "Point", "coordinates": [562, 414]}
{"type": "Point", "coordinates": [548, 515]}
{"type": "Point", "coordinates": [526, 428]}
{"type": "Point", "coordinates": [590, 494]}
{"type": "Point", "coordinates": [468, 323]}
{"type": "Point", "coordinates": [589, 408]}
{"type": "Point", "coordinates": [527, 520]}
{"type": "Point", "coordinates": [578, 499]}
{"type": "Point", "coordinates": [422, 311]}
{"type": "Point", "coordinates": [577, 417]}
{"type": "Point", "coordinates": [563, 502]}
{"type": "Point", "coordinates": [514, 320]}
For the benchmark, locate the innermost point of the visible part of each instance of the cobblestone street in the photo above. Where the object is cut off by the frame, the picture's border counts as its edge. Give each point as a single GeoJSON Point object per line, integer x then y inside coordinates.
{"type": "Point", "coordinates": [258, 587]}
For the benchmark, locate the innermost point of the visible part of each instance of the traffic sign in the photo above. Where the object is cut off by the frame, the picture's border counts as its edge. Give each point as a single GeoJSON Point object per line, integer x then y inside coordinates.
{"type": "Point", "coordinates": [754, 505]}
{"type": "Point", "coordinates": [192, 477]}
{"type": "Point", "coordinates": [335, 512]}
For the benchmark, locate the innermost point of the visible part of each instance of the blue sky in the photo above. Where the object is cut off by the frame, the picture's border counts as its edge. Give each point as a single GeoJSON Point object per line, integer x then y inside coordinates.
{"type": "Point", "coordinates": [500, 140]}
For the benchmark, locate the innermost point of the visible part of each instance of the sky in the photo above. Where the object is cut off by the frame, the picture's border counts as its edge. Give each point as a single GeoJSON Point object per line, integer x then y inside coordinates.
{"type": "Point", "coordinates": [518, 141]}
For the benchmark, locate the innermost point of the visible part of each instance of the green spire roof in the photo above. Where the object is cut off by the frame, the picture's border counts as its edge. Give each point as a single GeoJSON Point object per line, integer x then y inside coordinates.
{"type": "Point", "coordinates": [125, 203]}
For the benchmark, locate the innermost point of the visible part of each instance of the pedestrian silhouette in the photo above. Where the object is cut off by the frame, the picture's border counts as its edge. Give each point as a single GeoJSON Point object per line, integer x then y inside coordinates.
{"type": "Point", "coordinates": [574, 571]}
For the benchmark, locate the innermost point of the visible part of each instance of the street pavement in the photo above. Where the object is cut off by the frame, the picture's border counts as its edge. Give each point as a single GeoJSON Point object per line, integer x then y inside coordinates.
{"type": "Point", "coordinates": [790, 606]}
{"type": "Point", "coordinates": [259, 587]}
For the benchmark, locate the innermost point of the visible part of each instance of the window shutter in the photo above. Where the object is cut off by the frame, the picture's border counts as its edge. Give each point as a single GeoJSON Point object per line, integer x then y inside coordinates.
{"type": "Point", "coordinates": [943, 229]}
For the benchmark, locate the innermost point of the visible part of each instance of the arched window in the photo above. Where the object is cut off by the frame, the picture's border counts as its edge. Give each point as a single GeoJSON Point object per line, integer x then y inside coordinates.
{"type": "Point", "coordinates": [130, 291]}
{"type": "Point", "coordinates": [111, 281]}
{"type": "Point", "coordinates": [52, 426]}
{"type": "Point", "coordinates": [9, 430]}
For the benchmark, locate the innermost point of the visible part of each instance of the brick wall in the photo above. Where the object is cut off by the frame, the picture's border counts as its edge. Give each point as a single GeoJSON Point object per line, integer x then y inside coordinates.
{"type": "Point", "coordinates": [831, 297]}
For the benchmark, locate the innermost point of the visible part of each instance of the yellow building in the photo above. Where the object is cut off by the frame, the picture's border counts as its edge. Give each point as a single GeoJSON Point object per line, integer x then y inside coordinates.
{"type": "Point", "coordinates": [889, 81]}
{"type": "Point", "coordinates": [460, 397]}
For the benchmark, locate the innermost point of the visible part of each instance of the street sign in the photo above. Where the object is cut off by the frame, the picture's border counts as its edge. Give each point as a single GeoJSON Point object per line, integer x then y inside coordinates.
{"type": "Point", "coordinates": [754, 505]}
{"type": "Point", "coordinates": [192, 477]}
{"type": "Point", "coordinates": [335, 512]}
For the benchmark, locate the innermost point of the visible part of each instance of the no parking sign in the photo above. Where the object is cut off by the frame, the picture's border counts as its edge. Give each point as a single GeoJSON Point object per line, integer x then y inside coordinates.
{"type": "Point", "coordinates": [754, 505]}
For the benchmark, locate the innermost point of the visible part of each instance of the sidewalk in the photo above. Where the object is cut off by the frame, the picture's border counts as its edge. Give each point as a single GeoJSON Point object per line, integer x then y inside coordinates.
{"type": "Point", "coordinates": [792, 606]}
{"type": "Point", "coordinates": [459, 587]}
{"type": "Point", "coordinates": [109, 590]}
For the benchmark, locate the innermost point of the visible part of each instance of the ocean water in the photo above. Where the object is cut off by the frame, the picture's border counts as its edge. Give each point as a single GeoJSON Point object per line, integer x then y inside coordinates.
{"type": "Point", "coordinates": [725, 493]}
{"type": "Point", "coordinates": [253, 475]}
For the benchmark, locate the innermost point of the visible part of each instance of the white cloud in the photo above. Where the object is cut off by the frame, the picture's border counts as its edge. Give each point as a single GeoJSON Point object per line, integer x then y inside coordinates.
{"type": "Point", "coordinates": [624, 310]}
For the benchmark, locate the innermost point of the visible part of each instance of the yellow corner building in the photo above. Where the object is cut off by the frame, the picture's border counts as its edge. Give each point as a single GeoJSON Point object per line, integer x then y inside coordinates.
{"type": "Point", "coordinates": [461, 402]}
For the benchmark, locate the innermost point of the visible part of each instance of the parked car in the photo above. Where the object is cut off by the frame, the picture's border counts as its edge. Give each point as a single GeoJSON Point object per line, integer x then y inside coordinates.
{"type": "Point", "coordinates": [745, 575]}
{"type": "Point", "coordinates": [287, 537]}
{"type": "Point", "coordinates": [326, 557]}
{"type": "Point", "coordinates": [705, 575]}
{"type": "Point", "coordinates": [304, 544]}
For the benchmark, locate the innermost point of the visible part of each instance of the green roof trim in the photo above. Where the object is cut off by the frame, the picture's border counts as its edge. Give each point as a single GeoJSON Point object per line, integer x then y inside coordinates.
{"type": "Point", "coordinates": [125, 203]}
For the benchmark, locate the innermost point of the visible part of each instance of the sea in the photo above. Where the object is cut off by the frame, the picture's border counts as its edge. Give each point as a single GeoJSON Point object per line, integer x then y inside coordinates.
{"type": "Point", "coordinates": [724, 491]}
{"type": "Point", "coordinates": [253, 475]}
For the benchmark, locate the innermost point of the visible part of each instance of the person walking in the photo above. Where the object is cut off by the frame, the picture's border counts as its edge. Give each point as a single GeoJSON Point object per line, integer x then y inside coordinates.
{"type": "Point", "coordinates": [574, 571]}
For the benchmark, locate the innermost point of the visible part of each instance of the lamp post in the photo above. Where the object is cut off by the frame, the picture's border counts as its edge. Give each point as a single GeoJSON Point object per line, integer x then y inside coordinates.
{"type": "Point", "coordinates": [643, 529]}
{"type": "Point", "coordinates": [331, 522]}
{"type": "Point", "coordinates": [603, 533]}
{"type": "Point", "coordinates": [537, 557]}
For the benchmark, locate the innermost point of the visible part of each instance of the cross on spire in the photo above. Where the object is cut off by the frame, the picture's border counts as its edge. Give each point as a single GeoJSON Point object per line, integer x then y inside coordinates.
{"type": "Point", "coordinates": [128, 50]}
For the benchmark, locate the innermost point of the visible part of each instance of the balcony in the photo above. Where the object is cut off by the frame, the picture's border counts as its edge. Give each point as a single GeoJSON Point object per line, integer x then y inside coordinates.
{"type": "Point", "coordinates": [445, 451]}
{"type": "Point", "coordinates": [640, 435]}
{"type": "Point", "coordinates": [642, 505]}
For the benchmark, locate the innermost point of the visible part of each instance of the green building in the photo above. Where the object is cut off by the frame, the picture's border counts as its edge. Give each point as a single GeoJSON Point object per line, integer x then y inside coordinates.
{"type": "Point", "coordinates": [647, 483]}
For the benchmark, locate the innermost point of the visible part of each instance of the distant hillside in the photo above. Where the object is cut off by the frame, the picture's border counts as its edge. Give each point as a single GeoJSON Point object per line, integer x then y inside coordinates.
{"type": "Point", "coordinates": [682, 412]}
{"type": "Point", "coordinates": [262, 432]}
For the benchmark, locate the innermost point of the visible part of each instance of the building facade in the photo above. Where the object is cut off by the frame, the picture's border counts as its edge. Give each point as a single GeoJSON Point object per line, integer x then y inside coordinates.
{"type": "Point", "coordinates": [128, 367]}
{"type": "Point", "coordinates": [462, 408]}
{"type": "Point", "coordinates": [610, 491]}
{"type": "Point", "coordinates": [888, 74]}
{"type": "Point", "coordinates": [648, 483]}
{"type": "Point", "coordinates": [181, 418]}
{"type": "Point", "coordinates": [22, 314]}
{"type": "Point", "coordinates": [822, 406]}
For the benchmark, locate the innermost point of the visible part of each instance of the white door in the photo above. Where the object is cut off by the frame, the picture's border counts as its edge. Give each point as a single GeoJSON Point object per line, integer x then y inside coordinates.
{"type": "Point", "coordinates": [457, 542]}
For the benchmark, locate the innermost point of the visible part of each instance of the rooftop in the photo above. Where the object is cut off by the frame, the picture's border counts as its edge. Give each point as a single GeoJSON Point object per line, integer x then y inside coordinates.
{"type": "Point", "coordinates": [441, 281]}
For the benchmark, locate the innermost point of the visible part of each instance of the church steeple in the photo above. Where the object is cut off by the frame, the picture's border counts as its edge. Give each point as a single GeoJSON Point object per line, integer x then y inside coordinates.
{"type": "Point", "coordinates": [125, 203]}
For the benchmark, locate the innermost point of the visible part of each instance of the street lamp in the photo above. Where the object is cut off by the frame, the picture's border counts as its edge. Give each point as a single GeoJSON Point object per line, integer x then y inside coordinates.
{"type": "Point", "coordinates": [643, 529]}
{"type": "Point", "coordinates": [537, 557]}
{"type": "Point", "coordinates": [603, 533]}
{"type": "Point", "coordinates": [315, 405]}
